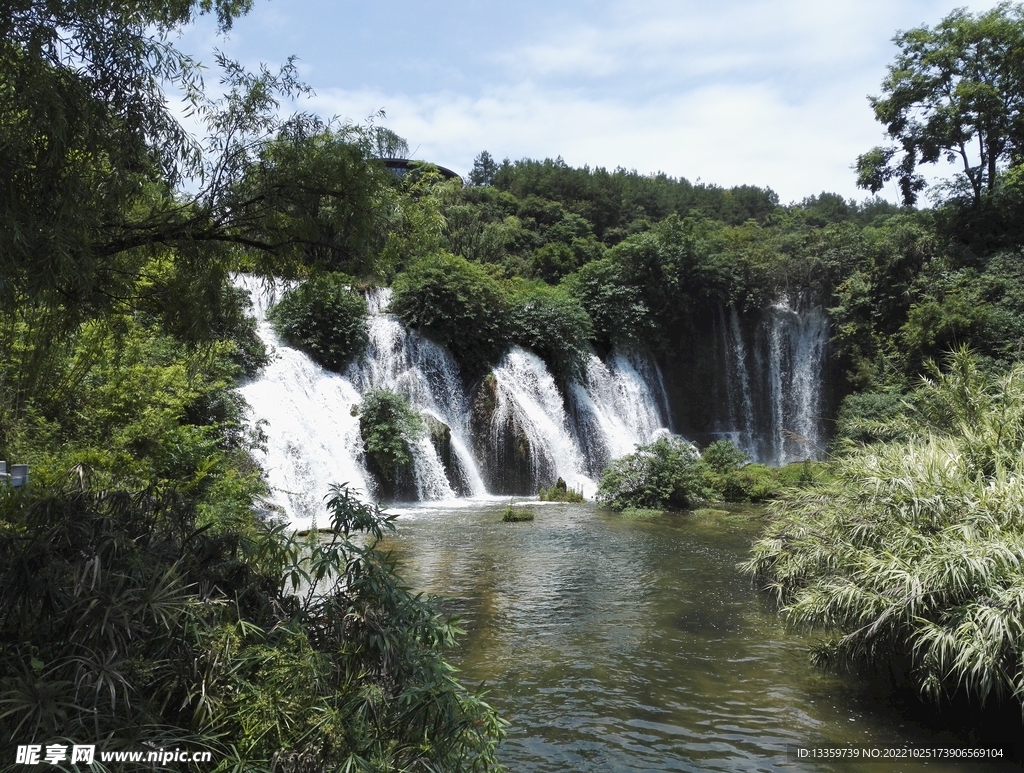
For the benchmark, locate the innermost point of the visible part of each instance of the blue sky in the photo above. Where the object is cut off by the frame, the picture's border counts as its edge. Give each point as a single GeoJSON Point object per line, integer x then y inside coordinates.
{"type": "Point", "coordinates": [769, 93]}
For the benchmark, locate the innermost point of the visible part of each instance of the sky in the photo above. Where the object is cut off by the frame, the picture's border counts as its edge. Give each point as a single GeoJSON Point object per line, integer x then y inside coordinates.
{"type": "Point", "coordinates": [770, 93]}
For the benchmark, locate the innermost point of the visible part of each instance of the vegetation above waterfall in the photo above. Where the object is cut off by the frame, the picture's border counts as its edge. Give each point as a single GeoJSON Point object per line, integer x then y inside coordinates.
{"type": "Point", "coordinates": [324, 317]}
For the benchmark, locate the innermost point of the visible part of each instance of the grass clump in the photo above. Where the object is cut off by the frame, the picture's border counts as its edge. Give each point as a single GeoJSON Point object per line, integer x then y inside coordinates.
{"type": "Point", "coordinates": [515, 514]}
{"type": "Point", "coordinates": [710, 512]}
{"type": "Point", "coordinates": [911, 554]}
{"type": "Point", "coordinates": [640, 513]}
{"type": "Point", "coordinates": [560, 492]}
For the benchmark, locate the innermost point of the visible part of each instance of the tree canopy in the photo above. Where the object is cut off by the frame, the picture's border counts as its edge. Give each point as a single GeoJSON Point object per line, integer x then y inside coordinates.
{"type": "Point", "coordinates": [954, 93]}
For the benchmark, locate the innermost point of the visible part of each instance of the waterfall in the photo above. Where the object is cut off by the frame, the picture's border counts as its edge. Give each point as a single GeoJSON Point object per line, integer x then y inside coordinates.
{"type": "Point", "coordinates": [740, 376]}
{"type": "Point", "coordinates": [426, 375]}
{"type": "Point", "coordinates": [533, 433]}
{"type": "Point", "coordinates": [796, 342]}
{"type": "Point", "coordinates": [530, 426]}
{"type": "Point", "coordinates": [304, 411]}
{"type": "Point", "coordinates": [776, 386]}
{"type": "Point", "coordinates": [621, 404]}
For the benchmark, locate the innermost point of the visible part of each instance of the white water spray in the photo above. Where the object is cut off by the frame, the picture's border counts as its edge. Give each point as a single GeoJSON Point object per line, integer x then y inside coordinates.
{"type": "Point", "coordinates": [305, 413]}
{"type": "Point", "coordinates": [426, 375]}
{"type": "Point", "coordinates": [621, 405]}
{"type": "Point", "coordinates": [528, 404]}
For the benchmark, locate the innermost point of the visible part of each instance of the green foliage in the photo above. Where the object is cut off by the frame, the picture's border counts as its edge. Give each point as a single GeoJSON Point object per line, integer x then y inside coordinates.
{"type": "Point", "coordinates": [865, 417]}
{"type": "Point", "coordinates": [612, 201]}
{"type": "Point", "coordinates": [666, 475]}
{"type": "Point", "coordinates": [484, 167]}
{"type": "Point", "coordinates": [324, 317]}
{"type": "Point", "coordinates": [513, 514]}
{"type": "Point", "coordinates": [128, 625]}
{"type": "Point", "coordinates": [552, 323]}
{"type": "Point", "coordinates": [640, 514]}
{"type": "Point", "coordinates": [753, 483]}
{"type": "Point", "coordinates": [953, 94]}
{"type": "Point", "coordinates": [389, 428]}
{"type": "Point", "coordinates": [724, 456]}
{"type": "Point", "coordinates": [459, 305]}
{"type": "Point", "coordinates": [616, 309]}
{"type": "Point", "coordinates": [910, 554]}
{"type": "Point", "coordinates": [559, 492]}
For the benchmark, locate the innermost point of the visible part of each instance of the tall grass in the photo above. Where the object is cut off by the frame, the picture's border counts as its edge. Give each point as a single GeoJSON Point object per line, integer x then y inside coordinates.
{"type": "Point", "coordinates": [912, 555]}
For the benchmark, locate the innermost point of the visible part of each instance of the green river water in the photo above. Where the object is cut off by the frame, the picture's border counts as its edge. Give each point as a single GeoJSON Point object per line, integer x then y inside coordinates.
{"type": "Point", "coordinates": [635, 645]}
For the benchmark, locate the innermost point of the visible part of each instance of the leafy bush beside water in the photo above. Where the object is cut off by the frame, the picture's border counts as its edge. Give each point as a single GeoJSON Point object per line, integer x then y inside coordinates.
{"type": "Point", "coordinates": [912, 555]}
{"type": "Point", "coordinates": [670, 475]}
{"type": "Point", "coordinates": [127, 624]}
{"type": "Point", "coordinates": [665, 475]}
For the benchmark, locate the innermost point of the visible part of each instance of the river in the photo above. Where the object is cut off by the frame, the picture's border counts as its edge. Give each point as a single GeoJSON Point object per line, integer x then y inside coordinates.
{"type": "Point", "coordinates": [622, 645]}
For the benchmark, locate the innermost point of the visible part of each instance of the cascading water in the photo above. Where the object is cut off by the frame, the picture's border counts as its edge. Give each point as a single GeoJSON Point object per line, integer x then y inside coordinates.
{"type": "Point", "coordinates": [312, 440]}
{"type": "Point", "coordinates": [740, 376]}
{"type": "Point", "coordinates": [530, 427]}
{"type": "Point", "coordinates": [426, 375]}
{"type": "Point", "coordinates": [780, 401]}
{"type": "Point", "coordinates": [622, 404]}
{"type": "Point", "coordinates": [797, 356]}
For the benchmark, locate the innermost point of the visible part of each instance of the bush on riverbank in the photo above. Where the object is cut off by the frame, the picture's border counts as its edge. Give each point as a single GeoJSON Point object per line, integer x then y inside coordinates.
{"type": "Point", "coordinates": [127, 624]}
{"type": "Point", "coordinates": [325, 318]}
{"type": "Point", "coordinates": [665, 475]}
{"type": "Point", "coordinates": [912, 555]}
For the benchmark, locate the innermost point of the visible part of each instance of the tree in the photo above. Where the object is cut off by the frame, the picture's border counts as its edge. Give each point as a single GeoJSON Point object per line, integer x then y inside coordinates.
{"type": "Point", "coordinates": [484, 169]}
{"type": "Point", "coordinates": [954, 93]}
{"type": "Point", "coordinates": [92, 158]}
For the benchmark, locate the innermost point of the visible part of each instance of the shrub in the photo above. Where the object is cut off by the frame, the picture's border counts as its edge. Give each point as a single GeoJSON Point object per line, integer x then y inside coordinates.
{"type": "Point", "coordinates": [559, 492]}
{"type": "Point", "coordinates": [459, 305]}
{"type": "Point", "coordinates": [325, 318]}
{"type": "Point", "coordinates": [911, 555]}
{"type": "Point", "coordinates": [753, 483]}
{"type": "Point", "coordinates": [553, 324]}
{"type": "Point", "coordinates": [129, 625]}
{"type": "Point", "coordinates": [616, 308]}
{"type": "Point", "coordinates": [724, 456]}
{"type": "Point", "coordinates": [389, 428]}
{"type": "Point", "coordinates": [666, 475]}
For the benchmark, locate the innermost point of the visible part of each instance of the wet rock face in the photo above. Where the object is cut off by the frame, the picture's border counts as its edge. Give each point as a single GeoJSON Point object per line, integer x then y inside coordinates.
{"type": "Point", "coordinates": [502, 447]}
{"type": "Point", "coordinates": [440, 435]}
{"type": "Point", "coordinates": [396, 484]}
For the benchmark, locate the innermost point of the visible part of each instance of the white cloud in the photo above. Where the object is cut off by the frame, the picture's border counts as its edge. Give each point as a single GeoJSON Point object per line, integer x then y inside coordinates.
{"type": "Point", "coordinates": [739, 91]}
{"type": "Point", "coordinates": [724, 134]}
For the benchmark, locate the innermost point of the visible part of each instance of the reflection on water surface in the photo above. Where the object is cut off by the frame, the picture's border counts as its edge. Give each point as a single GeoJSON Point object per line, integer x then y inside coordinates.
{"type": "Point", "coordinates": [635, 645]}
